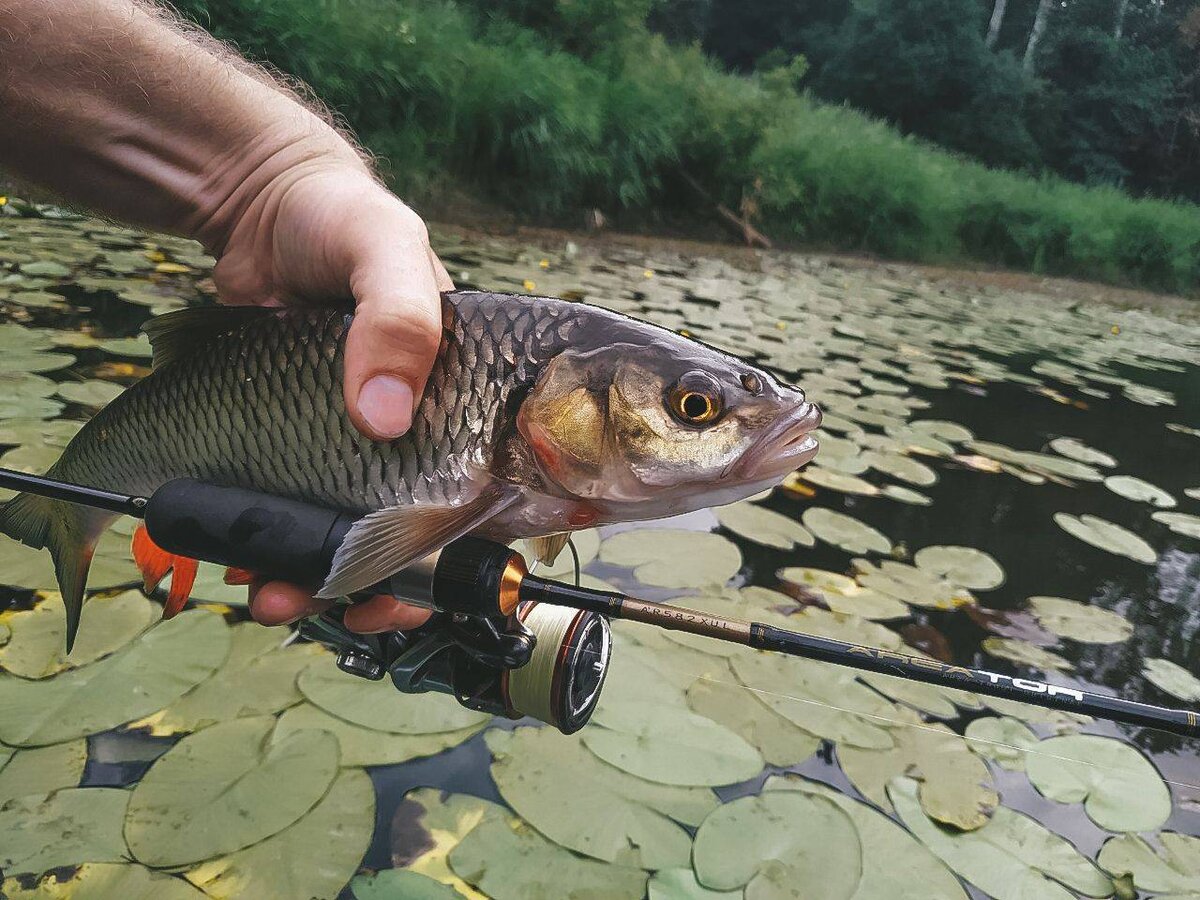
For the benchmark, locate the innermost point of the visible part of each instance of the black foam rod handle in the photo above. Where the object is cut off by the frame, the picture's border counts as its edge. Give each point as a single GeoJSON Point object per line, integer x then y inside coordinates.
{"type": "Point", "coordinates": [234, 526]}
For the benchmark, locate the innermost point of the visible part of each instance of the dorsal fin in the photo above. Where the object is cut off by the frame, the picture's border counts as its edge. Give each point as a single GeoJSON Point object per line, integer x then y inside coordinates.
{"type": "Point", "coordinates": [183, 331]}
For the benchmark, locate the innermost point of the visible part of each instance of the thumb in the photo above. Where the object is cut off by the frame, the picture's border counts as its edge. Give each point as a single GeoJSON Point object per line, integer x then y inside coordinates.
{"type": "Point", "coordinates": [392, 342]}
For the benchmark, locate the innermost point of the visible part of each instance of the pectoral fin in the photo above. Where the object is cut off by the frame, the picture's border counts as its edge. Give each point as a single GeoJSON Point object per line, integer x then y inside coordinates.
{"type": "Point", "coordinates": [546, 549]}
{"type": "Point", "coordinates": [385, 541]}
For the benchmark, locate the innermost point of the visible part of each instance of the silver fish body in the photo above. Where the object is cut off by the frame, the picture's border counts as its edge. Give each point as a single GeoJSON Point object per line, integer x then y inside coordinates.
{"type": "Point", "coordinates": [539, 416]}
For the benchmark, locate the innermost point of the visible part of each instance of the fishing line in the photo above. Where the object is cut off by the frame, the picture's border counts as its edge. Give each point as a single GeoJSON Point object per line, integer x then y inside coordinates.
{"type": "Point", "coordinates": [922, 726]}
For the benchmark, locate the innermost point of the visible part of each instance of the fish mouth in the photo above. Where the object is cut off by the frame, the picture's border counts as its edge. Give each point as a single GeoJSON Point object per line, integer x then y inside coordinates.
{"type": "Point", "coordinates": [787, 445]}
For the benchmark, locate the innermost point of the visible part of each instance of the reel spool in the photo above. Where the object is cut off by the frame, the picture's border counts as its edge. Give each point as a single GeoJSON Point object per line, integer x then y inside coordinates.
{"type": "Point", "coordinates": [561, 683]}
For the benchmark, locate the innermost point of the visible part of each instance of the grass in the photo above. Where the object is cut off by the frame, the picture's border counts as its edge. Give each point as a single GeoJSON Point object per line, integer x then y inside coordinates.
{"type": "Point", "coordinates": [446, 96]}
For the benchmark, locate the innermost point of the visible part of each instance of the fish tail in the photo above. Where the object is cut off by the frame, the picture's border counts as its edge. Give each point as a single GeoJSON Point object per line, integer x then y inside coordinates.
{"type": "Point", "coordinates": [69, 532]}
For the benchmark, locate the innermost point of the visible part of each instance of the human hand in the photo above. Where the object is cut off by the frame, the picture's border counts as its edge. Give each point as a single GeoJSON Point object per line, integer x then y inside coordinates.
{"type": "Point", "coordinates": [327, 229]}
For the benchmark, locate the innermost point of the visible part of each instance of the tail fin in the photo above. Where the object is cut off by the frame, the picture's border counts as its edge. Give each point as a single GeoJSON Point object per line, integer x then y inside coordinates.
{"type": "Point", "coordinates": [70, 532]}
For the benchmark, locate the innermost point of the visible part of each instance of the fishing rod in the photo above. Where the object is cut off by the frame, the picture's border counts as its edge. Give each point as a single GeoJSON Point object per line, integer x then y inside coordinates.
{"type": "Point", "coordinates": [504, 640]}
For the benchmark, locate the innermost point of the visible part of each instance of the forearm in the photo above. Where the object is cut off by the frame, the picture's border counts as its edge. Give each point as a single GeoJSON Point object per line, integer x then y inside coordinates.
{"type": "Point", "coordinates": [112, 105]}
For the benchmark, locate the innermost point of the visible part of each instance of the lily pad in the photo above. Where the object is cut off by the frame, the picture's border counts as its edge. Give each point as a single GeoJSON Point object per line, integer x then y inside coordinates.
{"type": "Point", "coordinates": [367, 747]}
{"type": "Point", "coordinates": [544, 776]}
{"type": "Point", "coordinates": [1003, 740]}
{"type": "Point", "coordinates": [1023, 653]}
{"type": "Point", "coordinates": [255, 658]}
{"type": "Point", "coordinates": [508, 863]}
{"type": "Point", "coordinates": [1106, 536]}
{"type": "Point", "coordinates": [844, 531]}
{"type": "Point", "coordinates": [1120, 789]}
{"type": "Point", "coordinates": [61, 829]}
{"type": "Point", "coordinates": [93, 393]}
{"type": "Point", "coordinates": [1175, 868]}
{"type": "Point", "coordinates": [393, 884]}
{"type": "Point", "coordinates": [670, 745]}
{"type": "Point", "coordinates": [1012, 857]}
{"type": "Point", "coordinates": [41, 770]}
{"type": "Point", "coordinates": [1141, 491]}
{"type": "Point", "coordinates": [163, 663]}
{"type": "Point", "coordinates": [672, 557]}
{"type": "Point", "coordinates": [764, 526]}
{"type": "Point", "coordinates": [1181, 523]}
{"type": "Point", "coordinates": [966, 566]}
{"type": "Point", "coordinates": [217, 791]}
{"type": "Point", "coordinates": [37, 646]}
{"type": "Point", "coordinates": [843, 594]}
{"type": "Point", "coordinates": [912, 585]}
{"type": "Point", "coordinates": [770, 843]}
{"type": "Point", "coordinates": [839, 481]}
{"type": "Point", "coordinates": [681, 884]}
{"type": "Point", "coordinates": [1171, 678]}
{"type": "Point", "coordinates": [378, 705]}
{"type": "Point", "coordinates": [313, 857]}
{"type": "Point", "coordinates": [105, 881]}
{"type": "Point", "coordinates": [781, 742]}
{"type": "Point", "coordinates": [1079, 621]}
{"type": "Point", "coordinates": [895, 865]}
{"type": "Point", "coordinates": [955, 787]}
{"type": "Point", "coordinates": [1081, 452]}
{"type": "Point", "coordinates": [901, 467]}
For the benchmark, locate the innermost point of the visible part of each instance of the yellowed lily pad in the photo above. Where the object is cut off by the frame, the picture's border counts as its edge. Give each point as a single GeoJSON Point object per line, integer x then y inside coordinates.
{"type": "Point", "coordinates": [105, 881]}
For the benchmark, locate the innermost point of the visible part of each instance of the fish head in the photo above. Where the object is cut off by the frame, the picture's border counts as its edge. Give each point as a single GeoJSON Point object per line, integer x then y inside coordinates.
{"type": "Point", "coordinates": [662, 426]}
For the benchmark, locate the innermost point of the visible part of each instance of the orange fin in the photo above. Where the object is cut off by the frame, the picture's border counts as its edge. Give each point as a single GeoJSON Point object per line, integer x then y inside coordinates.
{"type": "Point", "coordinates": [154, 563]}
{"type": "Point", "coordinates": [234, 575]}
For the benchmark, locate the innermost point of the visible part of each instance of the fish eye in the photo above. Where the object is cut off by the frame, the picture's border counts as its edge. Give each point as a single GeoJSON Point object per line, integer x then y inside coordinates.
{"type": "Point", "coordinates": [752, 383]}
{"type": "Point", "coordinates": [695, 399]}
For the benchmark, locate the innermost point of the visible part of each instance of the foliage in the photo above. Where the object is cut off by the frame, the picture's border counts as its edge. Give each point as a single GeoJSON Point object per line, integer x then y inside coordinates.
{"type": "Point", "coordinates": [551, 106]}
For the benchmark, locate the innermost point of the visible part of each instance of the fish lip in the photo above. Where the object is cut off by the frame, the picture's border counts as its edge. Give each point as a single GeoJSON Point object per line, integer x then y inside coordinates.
{"type": "Point", "coordinates": [785, 446]}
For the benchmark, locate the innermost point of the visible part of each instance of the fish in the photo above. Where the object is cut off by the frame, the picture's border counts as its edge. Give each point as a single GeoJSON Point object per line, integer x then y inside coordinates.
{"type": "Point", "coordinates": [540, 417]}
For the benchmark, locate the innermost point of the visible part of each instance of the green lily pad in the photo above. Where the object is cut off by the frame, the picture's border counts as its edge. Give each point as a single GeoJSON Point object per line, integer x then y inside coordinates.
{"type": "Point", "coordinates": [667, 744]}
{"type": "Point", "coordinates": [966, 566]}
{"type": "Point", "coordinates": [366, 746]}
{"type": "Point", "coordinates": [1181, 523]}
{"type": "Point", "coordinates": [135, 347]}
{"type": "Point", "coordinates": [544, 775]}
{"type": "Point", "coordinates": [901, 467]}
{"type": "Point", "coordinates": [781, 742]}
{"type": "Point", "coordinates": [824, 700]}
{"type": "Point", "coordinates": [1012, 857]}
{"type": "Point", "coordinates": [313, 857]}
{"type": "Point", "coordinates": [48, 268]}
{"type": "Point", "coordinates": [1171, 678]}
{"type": "Point", "coordinates": [41, 770]}
{"type": "Point", "coordinates": [845, 532]}
{"type": "Point", "coordinates": [1194, 493]}
{"type": "Point", "coordinates": [1003, 740]}
{"type": "Point", "coordinates": [105, 881]}
{"type": "Point", "coordinates": [1081, 452]}
{"type": "Point", "coordinates": [672, 557]}
{"type": "Point", "coordinates": [1024, 653]}
{"type": "Point", "coordinates": [839, 481]}
{"type": "Point", "coordinates": [1120, 789]}
{"type": "Point", "coordinates": [61, 829]}
{"type": "Point", "coordinates": [1141, 491]}
{"type": "Point", "coordinates": [946, 431]}
{"type": "Point", "coordinates": [843, 594]}
{"type": "Point", "coordinates": [508, 863]}
{"type": "Point", "coordinates": [912, 585]}
{"type": "Point", "coordinates": [764, 526]}
{"type": "Point", "coordinates": [1175, 868]}
{"type": "Point", "coordinates": [681, 884]}
{"type": "Point", "coordinates": [770, 843]}
{"type": "Point", "coordinates": [379, 706]}
{"type": "Point", "coordinates": [393, 884]}
{"type": "Point", "coordinates": [955, 789]}
{"type": "Point", "coordinates": [37, 645]}
{"type": "Point", "coordinates": [217, 791]}
{"type": "Point", "coordinates": [895, 865]}
{"type": "Point", "coordinates": [93, 393]}
{"type": "Point", "coordinates": [905, 495]}
{"type": "Point", "coordinates": [1079, 621]}
{"type": "Point", "coordinates": [256, 658]}
{"type": "Point", "coordinates": [1106, 536]}
{"type": "Point", "coordinates": [56, 433]}
{"type": "Point", "coordinates": [163, 663]}
{"type": "Point", "coordinates": [1062, 721]}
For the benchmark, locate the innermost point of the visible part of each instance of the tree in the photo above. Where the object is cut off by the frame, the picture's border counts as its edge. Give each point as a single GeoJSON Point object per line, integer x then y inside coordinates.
{"type": "Point", "coordinates": [994, 24]}
{"type": "Point", "coordinates": [1035, 34]}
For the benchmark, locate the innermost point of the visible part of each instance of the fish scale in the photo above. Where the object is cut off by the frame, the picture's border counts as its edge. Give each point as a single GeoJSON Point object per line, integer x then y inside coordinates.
{"type": "Point", "coordinates": [262, 407]}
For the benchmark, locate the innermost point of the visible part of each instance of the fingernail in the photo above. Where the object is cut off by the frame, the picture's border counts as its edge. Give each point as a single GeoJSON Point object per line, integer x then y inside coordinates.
{"type": "Point", "coordinates": [386, 405]}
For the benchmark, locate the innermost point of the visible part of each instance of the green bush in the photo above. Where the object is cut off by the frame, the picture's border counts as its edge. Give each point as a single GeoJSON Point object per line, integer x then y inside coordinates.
{"type": "Point", "coordinates": [447, 95]}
